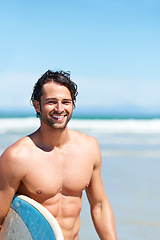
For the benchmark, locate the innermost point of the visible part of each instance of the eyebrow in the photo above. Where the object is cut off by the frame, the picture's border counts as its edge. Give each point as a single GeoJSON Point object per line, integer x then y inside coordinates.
{"type": "Point", "coordinates": [65, 99]}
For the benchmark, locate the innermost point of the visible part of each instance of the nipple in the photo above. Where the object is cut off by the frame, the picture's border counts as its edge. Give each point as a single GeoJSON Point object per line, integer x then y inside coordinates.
{"type": "Point", "coordinates": [39, 191]}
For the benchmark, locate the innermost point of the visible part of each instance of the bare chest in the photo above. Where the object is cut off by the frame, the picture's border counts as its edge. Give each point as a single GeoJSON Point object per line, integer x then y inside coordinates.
{"type": "Point", "coordinates": [49, 174]}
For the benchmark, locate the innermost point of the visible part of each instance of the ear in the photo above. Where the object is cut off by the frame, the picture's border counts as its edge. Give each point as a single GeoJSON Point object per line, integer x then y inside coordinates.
{"type": "Point", "coordinates": [37, 106]}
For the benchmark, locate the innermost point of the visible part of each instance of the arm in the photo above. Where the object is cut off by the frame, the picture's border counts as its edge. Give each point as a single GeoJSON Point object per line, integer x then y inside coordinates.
{"type": "Point", "coordinates": [101, 211]}
{"type": "Point", "coordinates": [10, 176]}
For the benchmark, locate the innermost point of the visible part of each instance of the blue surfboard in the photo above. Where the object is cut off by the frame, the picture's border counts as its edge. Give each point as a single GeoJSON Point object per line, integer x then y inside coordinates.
{"type": "Point", "coordinates": [29, 220]}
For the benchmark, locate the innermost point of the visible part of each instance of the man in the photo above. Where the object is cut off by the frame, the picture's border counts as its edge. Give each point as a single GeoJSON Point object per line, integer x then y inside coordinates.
{"type": "Point", "coordinates": [54, 164]}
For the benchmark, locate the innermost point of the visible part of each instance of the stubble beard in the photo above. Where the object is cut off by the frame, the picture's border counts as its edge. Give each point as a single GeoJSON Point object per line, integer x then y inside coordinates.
{"type": "Point", "coordinates": [49, 121]}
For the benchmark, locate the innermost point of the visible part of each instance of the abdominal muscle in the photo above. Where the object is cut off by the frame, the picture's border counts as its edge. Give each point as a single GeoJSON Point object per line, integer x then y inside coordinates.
{"type": "Point", "coordinates": [66, 209]}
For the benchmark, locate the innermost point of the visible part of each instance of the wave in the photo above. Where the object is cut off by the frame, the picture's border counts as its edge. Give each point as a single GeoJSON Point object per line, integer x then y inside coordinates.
{"type": "Point", "coordinates": [119, 126]}
{"type": "Point", "coordinates": [131, 153]}
{"type": "Point", "coordinates": [107, 126]}
{"type": "Point", "coordinates": [18, 124]}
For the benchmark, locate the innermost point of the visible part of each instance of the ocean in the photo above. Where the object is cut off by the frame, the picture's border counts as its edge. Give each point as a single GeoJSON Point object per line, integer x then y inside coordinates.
{"type": "Point", "coordinates": [130, 170]}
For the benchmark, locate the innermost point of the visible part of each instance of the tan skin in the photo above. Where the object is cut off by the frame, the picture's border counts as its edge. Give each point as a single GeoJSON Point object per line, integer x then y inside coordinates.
{"type": "Point", "coordinates": [54, 165]}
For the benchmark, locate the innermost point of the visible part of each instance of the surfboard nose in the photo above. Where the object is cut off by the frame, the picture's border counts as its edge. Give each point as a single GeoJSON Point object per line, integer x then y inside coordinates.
{"type": "Point", "coordinates": [29, 220]}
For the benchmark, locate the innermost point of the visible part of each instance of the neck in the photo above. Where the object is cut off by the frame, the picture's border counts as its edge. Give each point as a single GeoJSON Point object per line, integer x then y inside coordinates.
{"type": "Point", "coordinates": [52, 138]}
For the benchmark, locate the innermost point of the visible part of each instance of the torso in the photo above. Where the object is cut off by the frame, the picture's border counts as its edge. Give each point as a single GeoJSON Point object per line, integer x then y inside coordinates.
{"type": "Point", "coordinates": [56, 179]}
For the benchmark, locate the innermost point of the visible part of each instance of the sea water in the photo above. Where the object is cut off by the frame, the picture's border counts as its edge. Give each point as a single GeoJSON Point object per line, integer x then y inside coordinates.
{"type": "Point", "coordinates": [130, 170]}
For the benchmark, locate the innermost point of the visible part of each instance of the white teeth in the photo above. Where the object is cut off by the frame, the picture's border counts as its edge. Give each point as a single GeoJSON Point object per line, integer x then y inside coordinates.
{"type": "Point", "coordinates": [58, 117]}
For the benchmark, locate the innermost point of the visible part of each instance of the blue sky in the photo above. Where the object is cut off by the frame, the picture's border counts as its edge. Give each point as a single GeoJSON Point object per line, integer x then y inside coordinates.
{"type": "Point", "coordinates": [112, 49]}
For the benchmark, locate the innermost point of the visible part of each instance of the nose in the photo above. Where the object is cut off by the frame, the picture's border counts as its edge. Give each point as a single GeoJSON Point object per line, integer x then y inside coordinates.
{"type": "Point", "coordinates": [59, 107]}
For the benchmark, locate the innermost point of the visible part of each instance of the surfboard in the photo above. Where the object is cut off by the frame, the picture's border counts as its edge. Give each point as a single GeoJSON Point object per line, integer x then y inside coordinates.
{"type": "Point", "coordinates": [29, 220]}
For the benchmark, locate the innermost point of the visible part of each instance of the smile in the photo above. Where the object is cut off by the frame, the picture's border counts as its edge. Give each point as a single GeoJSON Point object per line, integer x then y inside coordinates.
{"type": "Point", "coordinates": [58, 117]}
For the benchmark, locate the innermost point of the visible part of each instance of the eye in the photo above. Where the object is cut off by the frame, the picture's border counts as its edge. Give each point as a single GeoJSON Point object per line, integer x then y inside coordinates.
{"type": "Point", "coordinates": [67, 102]}
{"type": "Point", "coordinates": [51, 102]}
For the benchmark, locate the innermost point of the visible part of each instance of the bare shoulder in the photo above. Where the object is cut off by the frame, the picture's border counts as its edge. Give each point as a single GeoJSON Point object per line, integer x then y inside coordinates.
{"type": "Point", "coordinates": [84, 138]}
{"type": "Point", "coordinates": [18, 148]}
{"type": "Point", "coordinates": [16, 155]}
{"type": "Point", "coordinates": [88, 143]}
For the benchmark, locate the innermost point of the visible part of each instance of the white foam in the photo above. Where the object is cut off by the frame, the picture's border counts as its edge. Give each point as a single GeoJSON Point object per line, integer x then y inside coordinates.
{"type": "Point", "coordinates": [131, 153]}
{"type": "Point", "coordinates": [119, 126]}
{"type": "Point", "coordinates": [106, 126]}
{"type": "Point", "coordinates": [132, 140]}
{"type": "Point", "coordinates": [18, 124]}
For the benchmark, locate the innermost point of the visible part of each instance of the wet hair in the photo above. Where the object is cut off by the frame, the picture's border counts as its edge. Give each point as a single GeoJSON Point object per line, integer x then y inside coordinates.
{"type": "Point", "coordinates": [60, 77]}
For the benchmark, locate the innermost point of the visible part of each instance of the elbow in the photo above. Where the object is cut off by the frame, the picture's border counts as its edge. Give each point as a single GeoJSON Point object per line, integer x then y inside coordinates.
{"type": "Point", "coordinates": [104, 222]}
{"type": "Point", "coordinates": [96, 210]}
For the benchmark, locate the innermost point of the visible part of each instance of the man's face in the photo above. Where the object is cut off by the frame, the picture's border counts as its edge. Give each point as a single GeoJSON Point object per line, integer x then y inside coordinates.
{"type": "Point", "coordinates": [56, 105]}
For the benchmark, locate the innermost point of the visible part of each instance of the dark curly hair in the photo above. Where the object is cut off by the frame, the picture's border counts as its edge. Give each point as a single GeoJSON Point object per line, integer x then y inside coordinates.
{"type": "Point", "coordinates": [60, 77]}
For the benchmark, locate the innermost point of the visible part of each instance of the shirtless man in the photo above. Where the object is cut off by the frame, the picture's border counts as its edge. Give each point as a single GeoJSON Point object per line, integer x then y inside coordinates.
{"type": "Point", "coordinates": [54, 164]}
